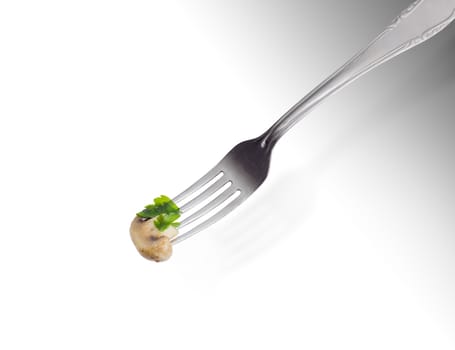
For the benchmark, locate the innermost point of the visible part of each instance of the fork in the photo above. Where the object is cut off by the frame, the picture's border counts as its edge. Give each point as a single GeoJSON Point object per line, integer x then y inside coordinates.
{"type": "Point", "coordinates": [246, 166]}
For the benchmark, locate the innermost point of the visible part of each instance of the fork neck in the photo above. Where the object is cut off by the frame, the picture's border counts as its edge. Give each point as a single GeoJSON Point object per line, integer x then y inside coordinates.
{"type": "Point", "coordinates": [299, 110]}
{"type": "Point", "coordinates": [340, 78]}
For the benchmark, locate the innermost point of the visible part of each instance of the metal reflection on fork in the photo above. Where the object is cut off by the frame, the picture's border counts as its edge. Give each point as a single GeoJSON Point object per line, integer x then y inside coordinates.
{"type": "Point", "coordinates": [246, 166]}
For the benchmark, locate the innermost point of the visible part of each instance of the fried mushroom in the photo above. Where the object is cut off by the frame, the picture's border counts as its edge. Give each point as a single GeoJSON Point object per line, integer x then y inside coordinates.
{"type": "Point", "coordinates": [151, 243]}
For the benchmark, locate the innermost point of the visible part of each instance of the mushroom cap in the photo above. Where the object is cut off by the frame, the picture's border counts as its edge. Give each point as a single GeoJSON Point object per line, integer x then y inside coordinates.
{"type": "Point", "coordinates": [150, 242]}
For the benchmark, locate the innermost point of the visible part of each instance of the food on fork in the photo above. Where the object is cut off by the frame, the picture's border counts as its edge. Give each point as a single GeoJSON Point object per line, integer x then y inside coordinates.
{"type": "Point", "coordinates": [153, 228]}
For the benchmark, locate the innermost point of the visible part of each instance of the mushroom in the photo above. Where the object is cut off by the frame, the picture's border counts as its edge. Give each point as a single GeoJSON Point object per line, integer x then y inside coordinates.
{"type": "Point", "coordinates": [151, 243]}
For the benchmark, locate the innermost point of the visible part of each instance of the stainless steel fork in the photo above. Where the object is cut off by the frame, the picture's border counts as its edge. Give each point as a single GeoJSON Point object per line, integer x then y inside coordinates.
{"type": "Point", "coordinates": [246, 166]}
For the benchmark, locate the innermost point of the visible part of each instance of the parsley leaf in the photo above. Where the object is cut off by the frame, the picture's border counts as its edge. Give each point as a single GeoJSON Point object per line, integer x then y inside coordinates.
{"type": "Point", "coordinates": [165, 212]}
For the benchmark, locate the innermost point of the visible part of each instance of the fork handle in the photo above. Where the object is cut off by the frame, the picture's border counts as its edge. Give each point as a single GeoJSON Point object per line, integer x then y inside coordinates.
{"type": "Point", "coordinates": [416, 24]}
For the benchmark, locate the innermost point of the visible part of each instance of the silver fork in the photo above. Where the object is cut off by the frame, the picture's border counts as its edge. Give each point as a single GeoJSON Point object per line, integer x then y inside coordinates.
{"type": "Point", "coordinates": [246, 166]}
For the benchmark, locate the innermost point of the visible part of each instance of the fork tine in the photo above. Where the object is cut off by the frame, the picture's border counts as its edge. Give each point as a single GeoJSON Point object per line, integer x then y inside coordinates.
{"type": "Point", "coordinates": [219, 215]}
{"type": "Point", "coordinates": [208, 207]}
{"type": "Point", "coordinates": [218, 184]}
{"type": "Point", "coordinates": [198, 184]}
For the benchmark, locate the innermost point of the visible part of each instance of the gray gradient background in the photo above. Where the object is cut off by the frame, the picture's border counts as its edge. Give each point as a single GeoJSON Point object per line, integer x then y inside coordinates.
{"type": "Point", "coordinates": [399, 116]}
{"type": "Point", "coordinates": [389, 137]}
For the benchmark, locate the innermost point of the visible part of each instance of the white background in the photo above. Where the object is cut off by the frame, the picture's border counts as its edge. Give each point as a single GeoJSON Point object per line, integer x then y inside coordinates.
{"type": "Point", "coordinates": [106, 104]}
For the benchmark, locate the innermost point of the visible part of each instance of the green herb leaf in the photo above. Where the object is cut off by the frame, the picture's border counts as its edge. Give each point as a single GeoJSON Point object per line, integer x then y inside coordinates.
{"type": "Point", "coordinates": [165, 212]}
{"type": "Point", "coordinates": [160, 222]}
{"type": "Point", "coordinates": [161, 200]}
